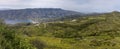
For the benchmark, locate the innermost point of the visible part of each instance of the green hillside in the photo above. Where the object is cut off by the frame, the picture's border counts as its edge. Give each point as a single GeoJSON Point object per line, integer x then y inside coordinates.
{"type": "Point", "coordinates": [91, 32]}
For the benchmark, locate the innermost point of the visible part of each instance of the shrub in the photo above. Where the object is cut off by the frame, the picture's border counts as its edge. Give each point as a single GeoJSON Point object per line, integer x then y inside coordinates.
{"type": "Point", "coordinates": [38, 44]}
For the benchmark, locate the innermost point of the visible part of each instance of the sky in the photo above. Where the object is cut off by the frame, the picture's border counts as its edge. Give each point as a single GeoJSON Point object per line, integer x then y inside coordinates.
{"type": "Point", "coordinates": [75, 5]}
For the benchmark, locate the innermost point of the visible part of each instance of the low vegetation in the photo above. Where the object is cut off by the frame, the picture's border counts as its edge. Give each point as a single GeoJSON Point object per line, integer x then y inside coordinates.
{"type": "Point", "coordinates": [92, 32]}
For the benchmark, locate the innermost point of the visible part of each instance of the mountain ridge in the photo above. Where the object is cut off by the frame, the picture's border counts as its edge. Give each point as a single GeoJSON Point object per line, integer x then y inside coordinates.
{"type": "Point", "coordinates": [36, 14]}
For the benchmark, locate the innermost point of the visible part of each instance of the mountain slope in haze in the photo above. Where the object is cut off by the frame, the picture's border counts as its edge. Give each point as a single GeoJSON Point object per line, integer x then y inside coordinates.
{"type": "Point", "coordinates": [36, 14]}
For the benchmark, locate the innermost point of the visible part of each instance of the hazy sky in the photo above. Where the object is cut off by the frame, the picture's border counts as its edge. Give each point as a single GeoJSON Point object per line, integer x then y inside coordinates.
{"type": "Point", "coordinates": [76, 5]}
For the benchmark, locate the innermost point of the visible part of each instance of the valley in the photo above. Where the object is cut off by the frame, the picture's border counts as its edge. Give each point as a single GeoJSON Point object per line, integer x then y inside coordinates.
{"type": "Point", "coordinates": [87, 32]}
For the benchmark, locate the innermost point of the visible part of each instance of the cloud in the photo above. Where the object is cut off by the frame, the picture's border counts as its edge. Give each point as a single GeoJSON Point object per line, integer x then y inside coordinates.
{"type": "Point", "coordinates": [101, 5]}
{"type": "Point", "coordinates": [77, 5]}
{"type": "Point", "coordinates": [93, 5]}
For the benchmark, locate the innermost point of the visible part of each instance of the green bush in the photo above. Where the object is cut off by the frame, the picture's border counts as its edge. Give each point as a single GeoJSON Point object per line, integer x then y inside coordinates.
{"type": "Point", "coordinates": [38, 44]}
